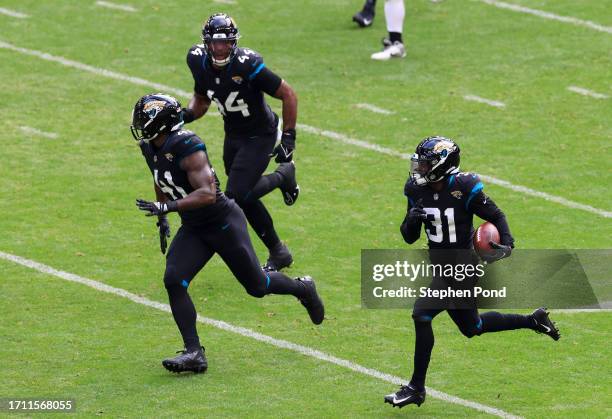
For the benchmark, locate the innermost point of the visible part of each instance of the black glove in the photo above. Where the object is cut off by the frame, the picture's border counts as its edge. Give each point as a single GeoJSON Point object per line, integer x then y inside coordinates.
{"type": "Point", "coordinates": [500, 251]}
{"type": "Point", "coordinates": [284, 151]}
{"type": "Point", "coordinates": [416, 213]}
{"type": "Point", "coordinates": [156, 208]}
{"type": "Point", "coordinates": [164, 233]}
{"type": "Point", "coordinates": [187, 115]}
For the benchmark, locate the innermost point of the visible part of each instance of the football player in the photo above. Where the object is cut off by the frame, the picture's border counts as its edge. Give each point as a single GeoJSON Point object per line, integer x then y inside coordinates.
{"type": "Point", "coordinates": [442, 200]}
{"type": "Point", "coordinates": [395, 11]}
{"type": "Point", "coordinates": [185, 182]}
{"type": "Point", "coordinates": [236, 80]}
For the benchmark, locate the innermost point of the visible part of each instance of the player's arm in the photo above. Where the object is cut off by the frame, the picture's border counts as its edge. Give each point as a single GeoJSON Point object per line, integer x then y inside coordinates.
{"type": "Point", "coordinates": [287, 95]}
{"type": "Point", "coordinates": [198, 106]}
{"type": "Point", "coordinates": [202, 180]}
{"type": "Point", "coordinates": [267, 81]}
{"type": "Point", "coordinates": [485, 208]}
{"type": "Point", "coordinates": [411, 226]}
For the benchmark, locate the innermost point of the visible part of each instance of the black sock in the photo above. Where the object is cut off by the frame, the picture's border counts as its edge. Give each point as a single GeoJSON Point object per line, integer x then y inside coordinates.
{"type": "Point", "coordinates": [265, 185]}
{"type": "Point", "coordinates": [493, 321]}
{"type": "Point", "coordinates": [395, 36]}
{"type": "Point", "coordinates": [184, 314]}
{"type": "Point", "coordinates": [369, 5]}
{"type": "Point", "coordinates": [282, 284]}
{"type": "Point", "coordinates": [423, 346]}
{"type": "Point", "coordinates": [259, 218]}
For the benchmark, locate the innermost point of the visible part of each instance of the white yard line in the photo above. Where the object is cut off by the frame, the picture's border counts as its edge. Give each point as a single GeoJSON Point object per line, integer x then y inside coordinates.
{"type": "Point", "coordinates": [13, 13]}
{"type": "Point", "coordinates": [489, 102]}
{"type": "Point", "coordinates": [279, 343]}
{"type": "Point", "coordinates": [587, 92]}
{"type": "Point", "coordinates": [226, 1]}
{"type": "Point", "coordinates": [124, 7]}
{"type": "Point", "coordinates": [35, 131]}
{"type": "Point", "coordinates": [374, 109]}
{"type": "Point", "coordinates": [313, 130]}
{"type": "Point", "coordinates": [547, 15]}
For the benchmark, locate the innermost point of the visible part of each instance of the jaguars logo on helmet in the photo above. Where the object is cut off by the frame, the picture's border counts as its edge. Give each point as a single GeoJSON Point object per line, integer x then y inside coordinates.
{"type": "Point", "coordinates": [435, 158]}
{"type": "Point", "coordinates": [155, 114]}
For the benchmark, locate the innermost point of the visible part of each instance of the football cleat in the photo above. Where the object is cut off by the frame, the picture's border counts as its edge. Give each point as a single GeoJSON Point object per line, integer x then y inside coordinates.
{"type": "Point", "coordinates": [364, 18]}
{"type": "Point", "coordinates": [405, 396]}
{"type": "Point", "coordinates": [194, 361]}
{"type": "Point", "coordinates": [289, 187]}
{"type": "Point", "coordinates": [280, 257]}
{"type": "Point", "coordinates": [390, 50]}
{"type": "Point", "coordinates": [312, 301]}
{"type": "Point", "coordinates": [543, 323]}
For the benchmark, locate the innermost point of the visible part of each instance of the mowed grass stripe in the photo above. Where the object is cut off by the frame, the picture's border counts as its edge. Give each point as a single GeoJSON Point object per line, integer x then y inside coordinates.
{"type": "Point", "coordinates": [313, 130]}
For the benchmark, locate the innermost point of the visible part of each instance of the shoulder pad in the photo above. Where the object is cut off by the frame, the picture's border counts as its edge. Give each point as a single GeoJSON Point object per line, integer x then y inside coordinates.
{"type": "Point", "coordinates": [248, 62]}
{"type": "Point", "coordinates": [184, 143]}
{"type": "Point", "coordinates": [469, 183]}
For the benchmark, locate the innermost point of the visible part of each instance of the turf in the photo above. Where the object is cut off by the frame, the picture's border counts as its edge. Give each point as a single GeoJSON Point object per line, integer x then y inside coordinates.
{"type": "Point", "coordinates": [69, 203]}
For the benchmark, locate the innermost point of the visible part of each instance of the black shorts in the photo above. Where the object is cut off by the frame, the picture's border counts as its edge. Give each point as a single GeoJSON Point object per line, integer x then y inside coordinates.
{"type": "Point", "coordinates": [245, 160]}
{"type": "Point", "coordinates": [192, 247]}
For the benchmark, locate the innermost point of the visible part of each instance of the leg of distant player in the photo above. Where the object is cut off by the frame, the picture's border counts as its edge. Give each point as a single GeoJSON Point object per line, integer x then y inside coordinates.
{"type": "Point", "coordinates": [365, 17]}
{"type": "Point", "coordinates": [233, 244]}
{"type": "Point", "coordinates": [187, 255]}
{"type": "Point", "coordinates": [245, 161]}
{"type": "Point", "coordinates": [394, 44]}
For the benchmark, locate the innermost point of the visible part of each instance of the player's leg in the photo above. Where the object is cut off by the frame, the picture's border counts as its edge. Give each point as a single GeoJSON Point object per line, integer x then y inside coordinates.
{"type": "Point", "coordinates": [425, 310]}
{"type": "Point", "coordinates": [186, 257]}
{"type": "Point", "coordinates": [244, 185]}
{"type": "Point", "coordinates": [471, 324]}
{"type": "Point", "coordinates": [393, 46]}
{"type": "Point", "coordinates": [365, 17]}
{"type": "Point", "coordinates": [233, 244]}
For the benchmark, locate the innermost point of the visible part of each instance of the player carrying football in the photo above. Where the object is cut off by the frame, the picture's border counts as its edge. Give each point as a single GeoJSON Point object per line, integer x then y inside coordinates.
{"type": "Point", "coordinates": [185, 182]}
{"type": "Point", "coordinates": [236, 80]}
{"type": "Point", "coordinates": [443, 200]}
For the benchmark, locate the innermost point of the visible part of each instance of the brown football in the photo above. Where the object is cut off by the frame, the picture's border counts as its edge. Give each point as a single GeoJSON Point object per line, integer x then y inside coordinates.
{"type": "Point", "coordinates": [484, 234]}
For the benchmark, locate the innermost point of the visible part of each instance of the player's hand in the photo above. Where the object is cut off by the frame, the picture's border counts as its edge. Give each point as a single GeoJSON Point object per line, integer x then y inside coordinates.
{"type": "Point", "coordinates": [156, 208]}
{"type": "Point", "coordinates": [164, 233]}
{"type": "Point", "coordinates": [500, 251]}
{"type": "Point", "coordinates": [284, 151]}
{"type": "Point", "coordinates": [417, 213]}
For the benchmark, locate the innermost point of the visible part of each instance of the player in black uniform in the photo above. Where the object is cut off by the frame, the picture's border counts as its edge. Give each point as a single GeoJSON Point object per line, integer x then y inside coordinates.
{"type": "Point", "coordinates": [443, 200]}
{"type": "Point", "coordinates": [236, 80]}
{"type": "Point", "coordinates": [185, 182]}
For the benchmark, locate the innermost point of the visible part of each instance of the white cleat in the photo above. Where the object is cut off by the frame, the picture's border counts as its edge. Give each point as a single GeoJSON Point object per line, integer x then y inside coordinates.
{"type": "Point", "coordinates": [392, 50]}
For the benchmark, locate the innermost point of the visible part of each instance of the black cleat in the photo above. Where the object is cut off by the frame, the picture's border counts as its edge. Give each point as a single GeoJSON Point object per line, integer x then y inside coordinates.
{"type": "Point", "coordinates": [543, 323]}
{"type": "Point", "coordinates": [280, 257]}
{"type": "Point", "coordinates": [289, 188]}
{"type": "Point", "coordinates": [364, 18]}
{"type": "Point", "coordinates": [312, 301]}
{"type": "Point", "coordinates": [194, 361]}
{"type": "Point", "coordinates": [405, 396]}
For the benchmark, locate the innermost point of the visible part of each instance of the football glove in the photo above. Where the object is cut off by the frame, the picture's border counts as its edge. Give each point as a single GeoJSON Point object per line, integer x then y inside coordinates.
{"type": "Point", "coordinates": [417, 213]}
{"type": "Point", "coordinates": [164, 233]}
{"type": "Point", "coordinates": [500, 251]}
{"type": "Point", "coordinates": [284, 151]}
{"type": "Point", "coordinates": [156, 208]}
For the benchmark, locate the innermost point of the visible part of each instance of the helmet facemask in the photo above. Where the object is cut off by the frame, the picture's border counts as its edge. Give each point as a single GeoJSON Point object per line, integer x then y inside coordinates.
{"type": "Point", "coordinates": [220, 28]}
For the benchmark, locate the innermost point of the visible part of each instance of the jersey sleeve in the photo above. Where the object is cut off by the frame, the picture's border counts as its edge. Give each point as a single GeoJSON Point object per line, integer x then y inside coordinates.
{"type": "Point", "coordinates": [187, 144]}
{"type": "Point", "coordinates": [260, 76]}
{"type": "Point", "coordinates": [195, 62]}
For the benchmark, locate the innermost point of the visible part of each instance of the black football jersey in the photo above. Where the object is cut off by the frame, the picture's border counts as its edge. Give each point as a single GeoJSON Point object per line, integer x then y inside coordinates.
{"type": "Point", "coordinates": [237, 90]}
{"type": "Point", "coordinates": [449, 211]}
{"type": "Point", "coordinates": [164, 164]}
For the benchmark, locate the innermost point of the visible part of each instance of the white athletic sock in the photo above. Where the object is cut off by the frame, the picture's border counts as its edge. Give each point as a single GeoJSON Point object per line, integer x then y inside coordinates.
{"type": "Point", "coordinates": [394, 15]}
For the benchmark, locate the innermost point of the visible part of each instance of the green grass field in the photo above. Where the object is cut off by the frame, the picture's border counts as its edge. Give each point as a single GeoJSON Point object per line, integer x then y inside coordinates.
{"type": "Point", "coordinates": [68, 202]}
